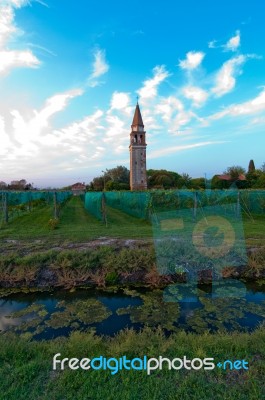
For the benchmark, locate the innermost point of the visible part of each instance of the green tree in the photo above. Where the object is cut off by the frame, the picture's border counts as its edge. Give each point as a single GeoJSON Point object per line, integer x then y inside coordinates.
{"type": "Point", "coordinates": [235, 171]}
{"type": "Point", "coordinates": [162, 179]}
{"type": "Point", "coordinates": [119, 174]}
{"type": "Point", "coordinates": [185, 180]}
{"type": "Point", "coordinates": [112, 179]}
{"type": "Point", "coordinates": [197, 183]}
{"type": "Point", "coordinates": [251, 167]}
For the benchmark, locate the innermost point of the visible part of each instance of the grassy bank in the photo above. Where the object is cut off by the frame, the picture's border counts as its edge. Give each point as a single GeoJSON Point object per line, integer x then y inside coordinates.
{"type": "Point", "coordinates": [104, 265]}
{"type": "Point", "coordinates": [26, 367]}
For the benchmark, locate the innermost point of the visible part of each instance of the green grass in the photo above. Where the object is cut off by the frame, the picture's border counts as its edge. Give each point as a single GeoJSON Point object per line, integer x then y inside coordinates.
{"type": "Point", "coordinates": [254, 230]}
{"type": "Point", "coordinates": [76, 224]}
{"type": "Point", "coordinates": [26, 367]}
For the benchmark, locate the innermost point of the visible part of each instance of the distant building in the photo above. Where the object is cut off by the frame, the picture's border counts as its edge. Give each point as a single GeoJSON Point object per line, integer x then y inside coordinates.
{"type": "Point", "coordinates": [227, 177]}
{"type": "Point", "coordinates": [138, 178]}
{"type": "Point", "coordinates": [78, 188]}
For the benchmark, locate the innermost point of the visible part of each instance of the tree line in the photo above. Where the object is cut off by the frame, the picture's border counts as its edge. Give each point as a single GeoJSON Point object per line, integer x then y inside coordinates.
{"type": "Point", "coordinates": [21, 184]}
{"type": "Point", "coordinates": [119, 179]}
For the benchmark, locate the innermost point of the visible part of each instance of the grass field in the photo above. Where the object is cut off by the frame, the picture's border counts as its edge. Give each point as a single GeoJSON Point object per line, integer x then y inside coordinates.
{"type": "Point", "coordinates": [76, 224]}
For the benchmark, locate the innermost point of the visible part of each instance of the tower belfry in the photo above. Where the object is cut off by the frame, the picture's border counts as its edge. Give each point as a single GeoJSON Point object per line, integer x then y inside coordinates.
{"type": "Point", "coordinates": [138, 179]}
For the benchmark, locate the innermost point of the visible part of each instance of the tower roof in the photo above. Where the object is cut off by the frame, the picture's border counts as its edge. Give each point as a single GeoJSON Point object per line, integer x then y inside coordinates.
{"type": "Point", "coordinates": [137, 119]}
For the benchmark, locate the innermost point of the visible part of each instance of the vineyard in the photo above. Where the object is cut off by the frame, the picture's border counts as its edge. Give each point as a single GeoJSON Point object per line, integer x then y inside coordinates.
{"type": "Point", "coordinates": [60, 215]}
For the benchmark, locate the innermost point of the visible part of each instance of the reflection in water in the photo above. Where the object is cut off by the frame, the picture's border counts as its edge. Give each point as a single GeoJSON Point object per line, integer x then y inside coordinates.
{"type": "Point", "coordinates": [52, 314]}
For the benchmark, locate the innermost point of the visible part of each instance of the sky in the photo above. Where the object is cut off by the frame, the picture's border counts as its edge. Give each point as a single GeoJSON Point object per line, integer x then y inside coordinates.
{"type": "Point", "coordinates": [71, 72]}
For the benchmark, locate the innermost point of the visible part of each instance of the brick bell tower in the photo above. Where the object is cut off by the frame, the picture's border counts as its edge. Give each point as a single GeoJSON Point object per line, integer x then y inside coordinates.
{"type": "Point", "coordinates": [138, 179]}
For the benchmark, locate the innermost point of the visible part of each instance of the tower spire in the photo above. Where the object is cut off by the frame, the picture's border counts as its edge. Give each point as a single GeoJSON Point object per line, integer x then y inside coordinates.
{"type": "Point", "coordinates": [137, 119]}
{"type": "Point", "coordinates": [138, 178]}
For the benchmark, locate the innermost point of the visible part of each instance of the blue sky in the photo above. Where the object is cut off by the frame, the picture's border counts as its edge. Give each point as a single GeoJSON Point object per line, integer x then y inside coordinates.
{"type": "Point", "coordinates": [70, 72]}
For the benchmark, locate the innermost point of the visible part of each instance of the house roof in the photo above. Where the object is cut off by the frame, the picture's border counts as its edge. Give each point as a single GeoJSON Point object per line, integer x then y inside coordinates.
{"type": "Point", "coordinates": [226, 177]}
{"type": "Point", "coordinates": [78, 185]}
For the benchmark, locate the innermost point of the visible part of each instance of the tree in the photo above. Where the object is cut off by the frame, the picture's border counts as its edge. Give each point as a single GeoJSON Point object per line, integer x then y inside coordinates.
{"type": "Point", "coordinates": [251, 167]}
{"type": "Point", "coordinates": [119, 174]}
{"type": "Point", "coordinates": [235, 171]}
{"type": "Point", "coordinates": [197, 183]}
{"type": "Point", "coordinates": [3, 185]}
{"type": "Point", "coordinates": [96, 184]}
{"type": "Point", "coordinates": [162, 179]}
{"type": "Point", "coordinates": [112, 179]}
{"type": "Point", "coordinates": [18, 185]}
{"type": "Point", "coordinates": [260, 182]}
{"type": "Point", "coordinates": [185, 180]}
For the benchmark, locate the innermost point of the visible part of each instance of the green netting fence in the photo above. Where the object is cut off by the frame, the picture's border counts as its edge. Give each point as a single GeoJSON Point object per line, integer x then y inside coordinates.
{"type": "Point", "coordinates": [132, 203]}
{"type": "Point", "coordinates": [144, 204]}
{"type": "Point", "coordinates": [93, 202]}
{"type": "Point", "coordinates": [14, 203]}
{"type": "Point", "coordinates": [16, 198]}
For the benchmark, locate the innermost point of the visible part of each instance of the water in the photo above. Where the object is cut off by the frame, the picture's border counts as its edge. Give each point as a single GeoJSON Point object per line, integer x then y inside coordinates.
{"type": "Point", "coordinates": [47, 315]}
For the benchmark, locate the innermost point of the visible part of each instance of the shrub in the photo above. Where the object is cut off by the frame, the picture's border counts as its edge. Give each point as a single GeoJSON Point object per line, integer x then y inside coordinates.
{"type": "Point", "coordinates": [111, 278]}
{"type": "Point", "coordinates": [53, 223]}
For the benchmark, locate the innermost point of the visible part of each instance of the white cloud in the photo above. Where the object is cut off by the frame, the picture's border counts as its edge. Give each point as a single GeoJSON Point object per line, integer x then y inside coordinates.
{"type": "Point", "coordinates": [15, 3]}
{"type": "Point", "coordinates": [100, 67]}
{"type": "Point", "coordinates": [212, 44]}
{"type": "Point", "coordinates": [193, 60]}
{"type": "Point", "coordinates": [58, 102]}
{"type": "Point", "coordinates": [6, 24]}
{"type": "Point", "coordinates": [168, 107]}
{"type": "Point", "coordinates": [233, 43]}
{"type": "Point", "coordinates": [15, 59]}
{"type": "Point", "coordinates": [36, 146]}
{"type": "Point", "coordinates": [247, 108]}
{"type": "Point", "coordinates": [29, 132]}
{"type": "Point", "coordinates": [120, 100]}
{"type": "Point", "coordinates": [149, 89]}
{"type": "Point", "coordinates": [196, 94]}
{"type": "Point", "coordinates": [225, 78]}
{"type": "Point", "coordinates": [10, 59]}
{"type": "Point", "coordinates": [182, 119]}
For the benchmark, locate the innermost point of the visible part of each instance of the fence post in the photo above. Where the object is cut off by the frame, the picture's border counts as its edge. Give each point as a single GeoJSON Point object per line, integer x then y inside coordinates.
{"type": "Point", "coordinates": [29, 201]}
{"type": "Point", "coordinates": [5, 206]}
{"type": "Point", "coordinates": [238, 205]}
{"type": "Point", "coordinates": [195, 207]}
{"type": "Point", "coordinates": [55, 209]}
{"type": "Point", "coordinates": [103, 209]}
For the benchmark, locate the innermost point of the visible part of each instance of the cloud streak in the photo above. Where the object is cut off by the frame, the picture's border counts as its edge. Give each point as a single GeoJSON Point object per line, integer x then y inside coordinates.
{"type": "Point", "coordinates": [225, 78]}
{"type": "Point", "coordinates": [150, 86]}
{"type": "Point", "coordinates": [100, 68]}
{"type": "Point", "coordinates": [250, 107]}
